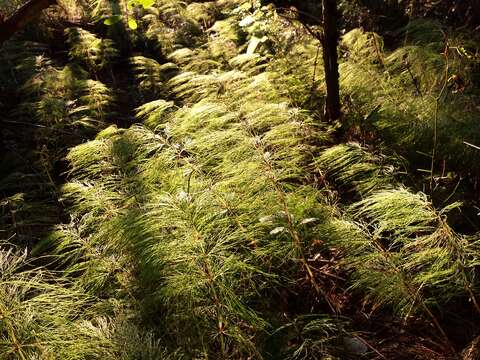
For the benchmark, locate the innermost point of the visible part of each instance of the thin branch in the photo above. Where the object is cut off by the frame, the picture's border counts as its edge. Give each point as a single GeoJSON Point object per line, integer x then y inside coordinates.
{"type": "Point", "coordinates": [315, 70]}
{"type": "Point", "coordinates": [437, 105]}
{"type": "Point", "coordinates": [22, 17]}
{"type": "Point", "coordinates": [473, 146]}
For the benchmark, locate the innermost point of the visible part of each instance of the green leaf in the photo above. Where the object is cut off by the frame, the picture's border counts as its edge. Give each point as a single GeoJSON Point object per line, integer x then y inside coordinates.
{"type": "Point", "coordinates": [112, 20]}
{"type": "Point", "coordinates": [131, 4]}
{"type": "Point", "coordinates": [132, 24]}
{"type": "Point", "coordinates": [146, 3]}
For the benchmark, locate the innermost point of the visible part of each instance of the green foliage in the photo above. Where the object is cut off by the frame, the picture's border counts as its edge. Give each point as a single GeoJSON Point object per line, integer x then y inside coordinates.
{"type": "Point", "coordinates": [403, 254]}
{"type": "Point", "coordinates": [150, 75]}
{"type": "Point", "coordinates": [42, 315]}
{"type": "Point", "coordinates": [227, 222]}
{"type": "Point", "coordinates": [94, 52]}
{"type": "Point", "coordinates": [312, 337]}
{"type": "Point", "coordinates": [203, 202]}
{"type": "Point", "coordinates": [405, 85]}
{"type": "Point", "coordinates": [130, 4]}
{"type": "Point", "coordinates": [437, 259]}
{"type": "Point", "coordinates": [355, 168]}
{"type": "Point", "coordinates": [184, 225]}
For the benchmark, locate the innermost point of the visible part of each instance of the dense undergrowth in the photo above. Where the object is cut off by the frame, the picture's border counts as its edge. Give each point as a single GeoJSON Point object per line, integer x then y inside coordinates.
{"type": "Point", "coordinates": [174, 192]}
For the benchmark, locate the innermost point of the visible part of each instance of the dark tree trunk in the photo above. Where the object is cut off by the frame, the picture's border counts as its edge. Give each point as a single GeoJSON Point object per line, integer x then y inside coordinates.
{"type": "Point", "coordinates": [21, 17]}
{"type": "Point", "coordinates": [330, 60]}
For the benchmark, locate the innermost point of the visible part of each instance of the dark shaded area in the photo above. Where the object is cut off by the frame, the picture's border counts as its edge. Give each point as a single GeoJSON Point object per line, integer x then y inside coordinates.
{"type": "Point", "coordinates": [21, 17]}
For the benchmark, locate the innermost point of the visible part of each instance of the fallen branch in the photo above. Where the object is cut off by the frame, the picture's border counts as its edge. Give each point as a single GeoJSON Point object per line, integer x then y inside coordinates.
{"type": "Point", "coordinates": [21, 17]}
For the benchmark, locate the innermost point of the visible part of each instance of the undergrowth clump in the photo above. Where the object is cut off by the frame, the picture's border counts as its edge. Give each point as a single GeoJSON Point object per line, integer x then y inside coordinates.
{"type": "Point", "coordinates": [418, 90]}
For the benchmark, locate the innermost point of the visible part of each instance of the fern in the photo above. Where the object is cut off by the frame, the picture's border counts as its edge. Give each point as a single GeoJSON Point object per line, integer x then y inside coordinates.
{"type": "Point", "coordinates": [94, 52]}
{"type": "Point", "coordinates": [354, 167]}
{"type": "Point", "coordinates": [153, 113]}
{"type": "Point", "coordinates": [405, 255]}
{"type": "Point", "coordinates": [150, 74]}
{"type": "Point", "coordinates": [312, 337]}
{"type": "Point", "coordinates": [196, 191]}
{"type": "Point", "coordinates": [42, 315]}
{"type": "Point", "coordinates": [407, 84]}
{"type": "Point", "coordinates": [212, 227]}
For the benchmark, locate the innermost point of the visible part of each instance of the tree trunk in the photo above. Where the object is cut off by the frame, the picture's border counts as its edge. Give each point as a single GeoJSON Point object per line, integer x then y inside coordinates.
{"type": "Point", "coordinates": [330, 60]}
{"type": "Point", "coordinates": [21, 17]}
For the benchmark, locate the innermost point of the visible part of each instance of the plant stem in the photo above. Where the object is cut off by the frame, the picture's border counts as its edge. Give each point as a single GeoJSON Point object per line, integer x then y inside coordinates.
{"type": "Point", "coordinates": [435, 118]}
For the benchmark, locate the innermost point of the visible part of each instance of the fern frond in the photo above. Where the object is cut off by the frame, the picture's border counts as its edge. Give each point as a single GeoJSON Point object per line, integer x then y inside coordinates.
{"type": "Point", "coordinates": [153, 113]}
{"type": "Point", "coordinates": [409, 257]}
{"type": "Point", "coordinates": [89, 49]}
{"type": "Point", "coordinates": [43, 315]}
{"type": "Point", "coordinates": [354, 167]}
{"type": "Point", "coordinates": [312, 337]}
{"type": "Point", "coordinates": [149, 74]}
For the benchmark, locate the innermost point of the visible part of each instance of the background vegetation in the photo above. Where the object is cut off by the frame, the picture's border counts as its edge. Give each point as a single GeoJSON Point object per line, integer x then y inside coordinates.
{"type": "Point", "coordinates": [170, 188]}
